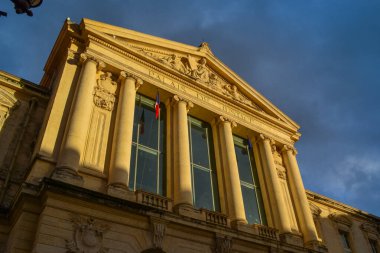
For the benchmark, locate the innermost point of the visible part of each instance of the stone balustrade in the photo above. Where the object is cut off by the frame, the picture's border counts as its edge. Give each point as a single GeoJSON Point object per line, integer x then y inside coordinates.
{"type": "Point", "coordinates": [154, 200]}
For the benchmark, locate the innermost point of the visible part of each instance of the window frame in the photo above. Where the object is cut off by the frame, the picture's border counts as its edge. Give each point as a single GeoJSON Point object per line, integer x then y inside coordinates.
{"type": "Point", "coordinates": [144, 102]}
{"type": "Point", "coordinates": [243, 143]}
{"type": "Point", "coordinates": [191, 120]}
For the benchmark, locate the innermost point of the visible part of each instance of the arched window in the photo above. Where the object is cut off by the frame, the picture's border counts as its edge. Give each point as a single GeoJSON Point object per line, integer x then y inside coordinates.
{"type": "Point", "coordinates": [204, 182]}
{"type": "Point", "coordinates": [148, 148]}
{"type": "Point", "coordinates": [250, 188]}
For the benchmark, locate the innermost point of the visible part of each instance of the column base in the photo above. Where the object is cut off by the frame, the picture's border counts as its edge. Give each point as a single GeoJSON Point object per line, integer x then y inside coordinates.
{"type": "Point", "coordinates": [317, 246]}
{"type": "Point", "coordinates": [293, 239]}
{"type": "Point", "coordinates": [67, 175]}
{"type": "Point", "coordinates": [121, 191]}
{"type": "Point", "coordinates": [238, 223]}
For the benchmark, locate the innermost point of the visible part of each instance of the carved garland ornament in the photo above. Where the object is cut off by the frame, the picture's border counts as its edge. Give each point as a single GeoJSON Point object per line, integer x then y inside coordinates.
{"type": "Point", "coordinates": [105, 92]}
{"type": "Point", "coordinates": [88, 236]}
{"type": "Point", "coordinates": [198, 70]}
{"type": "Point", "coordinates": [223, 244]}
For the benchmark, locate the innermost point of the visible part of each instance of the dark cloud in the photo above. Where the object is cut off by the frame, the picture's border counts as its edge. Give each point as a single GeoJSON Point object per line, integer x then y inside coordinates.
{"type": "Point", "coordinates": [318, 61]}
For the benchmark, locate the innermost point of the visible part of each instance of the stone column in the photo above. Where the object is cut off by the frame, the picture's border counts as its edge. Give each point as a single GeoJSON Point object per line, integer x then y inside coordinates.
{"type": "Point", "coordinates": [77, 127]}
{"type": "Point", "coordinates": [123, 131]}
{"type": "Point", "coordinates": [183, 193]}
{"type": "Point", "coordinates": [275, 194]}
{"type": "Point", "coordinates": [234, 194]}
{"type": "Point", "coordinates": [299, 195]}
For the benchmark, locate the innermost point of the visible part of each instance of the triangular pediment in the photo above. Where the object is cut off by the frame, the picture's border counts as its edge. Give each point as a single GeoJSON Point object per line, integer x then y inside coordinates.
{"type": "Point", "coordinates": [197, 64]}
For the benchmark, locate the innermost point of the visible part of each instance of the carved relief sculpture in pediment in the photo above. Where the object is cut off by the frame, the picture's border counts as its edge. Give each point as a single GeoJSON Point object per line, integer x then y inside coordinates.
{"type": "Point", "coordinates": [198, 70]}
{"type": "Point", "coordinates": [105, 92]}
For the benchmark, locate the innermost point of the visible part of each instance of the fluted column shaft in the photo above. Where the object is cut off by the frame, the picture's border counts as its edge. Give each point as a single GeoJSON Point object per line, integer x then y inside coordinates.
{"type": "Point", "coordinates": [78, 125]}
{"type": "Point", "coordinates": [299, 195]}
{"type": "Point", "coordinates": [123, 131]}
{"type": "Point", "coordinates": [183, 193]}
{"type": "Point", "coordinates": [234, 193]}
{"type": "Point", "coordinates": [276, 196]}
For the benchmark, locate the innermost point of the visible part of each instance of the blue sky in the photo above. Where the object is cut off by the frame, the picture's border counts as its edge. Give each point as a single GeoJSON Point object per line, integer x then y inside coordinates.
{"type": "Point", "coordinates": [317, 60]}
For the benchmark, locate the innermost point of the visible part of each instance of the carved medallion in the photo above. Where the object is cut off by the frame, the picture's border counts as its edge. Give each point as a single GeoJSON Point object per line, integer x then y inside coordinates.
{"type": "Point", "coordinates": [104, 92]}
{"type": "Point", "coordinates": [88, 236]}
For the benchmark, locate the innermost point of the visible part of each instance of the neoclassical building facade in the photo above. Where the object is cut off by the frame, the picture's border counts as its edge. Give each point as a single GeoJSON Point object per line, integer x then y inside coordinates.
{"type": "Point", "coordinates": [134, 143]}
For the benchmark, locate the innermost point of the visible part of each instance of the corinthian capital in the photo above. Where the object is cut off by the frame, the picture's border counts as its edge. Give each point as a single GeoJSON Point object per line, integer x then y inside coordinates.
{"type": "Point", "coordinates": [287, 148]}
{"type": "Point", "coordinates": [222, 119]}
{"type": "Point", "coordinates": [124, 75]}
{"type": "Point", "coordinates": [176, 99]}
{"type": "Point", "coordinates": [86, 57]}
{"type": "Point", "coordinates": [263, 137]}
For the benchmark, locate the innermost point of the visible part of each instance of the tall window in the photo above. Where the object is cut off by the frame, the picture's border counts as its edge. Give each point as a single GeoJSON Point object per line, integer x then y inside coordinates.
{"type": "Point", "coordinates": [344, 237]}
{"type": "Point", "coordinates": [253, 204]}
{"type": "Point", "coordinates": [205, 188]}
{"type": "Point", "coordinates": [373, 244]}
{"type": "Point", "coordinates": [147, 158]}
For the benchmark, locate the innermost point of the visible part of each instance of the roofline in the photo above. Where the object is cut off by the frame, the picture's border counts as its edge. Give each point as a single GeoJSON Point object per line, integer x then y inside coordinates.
{"type": "Point", "coordinates": [339, 205]}
{"type": "Point", "coordinates": [19, 83]}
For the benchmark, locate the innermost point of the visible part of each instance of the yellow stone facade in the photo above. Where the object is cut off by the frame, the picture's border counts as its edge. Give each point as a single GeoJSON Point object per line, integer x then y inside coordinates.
{"type": "Point", "coordinates": [68, 155]}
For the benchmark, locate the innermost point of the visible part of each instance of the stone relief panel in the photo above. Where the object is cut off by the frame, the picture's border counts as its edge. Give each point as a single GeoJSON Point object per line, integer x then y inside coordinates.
{"type": "Point", "coordinates": [105, 92]}
{"type": "Point", "coordinates": [88, 236]}
{"type": "Point", "coordinates": [97, 140]}
{"type": "Point", "coordinates": [98, 133]}
{"type": "Point", "coordinates": [223, 244]}
{"type": "Point", "coordinates": [197, 69]}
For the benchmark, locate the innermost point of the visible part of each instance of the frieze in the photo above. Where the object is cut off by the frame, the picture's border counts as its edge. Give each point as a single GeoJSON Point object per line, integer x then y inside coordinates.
{"type": "Point", "coordinates": [105, 92]}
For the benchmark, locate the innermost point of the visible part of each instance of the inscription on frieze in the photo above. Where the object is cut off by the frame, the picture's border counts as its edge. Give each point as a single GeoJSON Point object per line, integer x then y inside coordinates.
{"type": "Point", "coordinates": [207, 99]}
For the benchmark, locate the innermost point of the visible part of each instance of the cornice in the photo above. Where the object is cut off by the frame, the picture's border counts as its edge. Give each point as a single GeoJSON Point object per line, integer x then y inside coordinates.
{"type": "Point", "coordinates": [23, 85]}
{"type": "Point", "coordinates": [312, 196]}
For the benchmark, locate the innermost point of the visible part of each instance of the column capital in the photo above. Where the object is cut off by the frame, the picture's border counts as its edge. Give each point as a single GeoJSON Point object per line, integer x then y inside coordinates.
{"type": "Point", "coordinates": [263, 137]}
{"type": "Point", "coordinates": [85, 57]}
{"type": "Point", "coordinates": [176, 99]}
{"type": "Point", "coordinates": [222, 119]}
{"type": "Point", "coordinates": [124, 75]}
{"type": "Point", "coordinates": [287, 148]}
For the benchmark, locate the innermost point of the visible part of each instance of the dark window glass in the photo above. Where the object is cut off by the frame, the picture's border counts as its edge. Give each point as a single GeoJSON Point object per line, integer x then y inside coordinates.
{"type": "Point", "coordinates": [373, 244]}
{"type": "Point", "coordinates": [253, 203]}
{"type": "Point", "coordinates": [205, 190]}
{"type": "Point", "coordinates": [147, 161]}
{"type": "Point", "coordinates": [345, 240]}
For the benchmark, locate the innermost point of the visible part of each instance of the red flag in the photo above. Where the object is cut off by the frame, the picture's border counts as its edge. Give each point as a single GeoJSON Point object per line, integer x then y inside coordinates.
{"type": "Point", "coordinates": [157, 105]}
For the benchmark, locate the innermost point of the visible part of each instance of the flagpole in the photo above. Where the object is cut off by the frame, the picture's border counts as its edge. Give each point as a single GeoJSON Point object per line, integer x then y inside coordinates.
{"type": "Point", "coordinates": [137, 148]}
{"type": "Point", "coordinates": [136, 153]}
{"type": "Point", "coordinates": [158, 150]}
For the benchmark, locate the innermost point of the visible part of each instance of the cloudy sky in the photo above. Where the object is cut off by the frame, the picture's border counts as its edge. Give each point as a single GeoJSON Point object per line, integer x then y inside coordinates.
{"type": "Point", "coordinates": [316, 60]}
